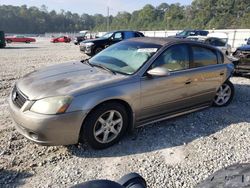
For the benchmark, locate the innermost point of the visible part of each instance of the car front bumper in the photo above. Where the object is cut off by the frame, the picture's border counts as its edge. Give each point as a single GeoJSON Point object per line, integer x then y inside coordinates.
{"type": "Point", "coordinates": [61, 129]}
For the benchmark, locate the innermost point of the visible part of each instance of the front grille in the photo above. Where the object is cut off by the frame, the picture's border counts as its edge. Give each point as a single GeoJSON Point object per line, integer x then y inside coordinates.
{"type": "Point", "coordinates": [18, 98]}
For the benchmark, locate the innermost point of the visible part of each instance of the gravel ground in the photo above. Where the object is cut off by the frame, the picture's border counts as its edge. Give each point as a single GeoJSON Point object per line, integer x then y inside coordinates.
{"type": "Point", "coordinates": [176, 153]}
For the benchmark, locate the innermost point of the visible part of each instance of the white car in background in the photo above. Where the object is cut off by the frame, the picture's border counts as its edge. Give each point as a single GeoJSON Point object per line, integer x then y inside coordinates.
{"type": "Point", "coordinates": [219, 40]}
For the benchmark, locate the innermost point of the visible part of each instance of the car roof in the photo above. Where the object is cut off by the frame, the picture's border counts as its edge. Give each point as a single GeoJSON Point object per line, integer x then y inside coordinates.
{"type": "Point", "coordinates": [123, 31]}
{"type": "Point", "coordinates": [194, 30]}
{"type": "Point", "coordinates": [162, 41]}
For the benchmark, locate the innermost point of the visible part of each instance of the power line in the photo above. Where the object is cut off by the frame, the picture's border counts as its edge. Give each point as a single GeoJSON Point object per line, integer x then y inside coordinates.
{"type": "Point", "coordinates": [107, 19]}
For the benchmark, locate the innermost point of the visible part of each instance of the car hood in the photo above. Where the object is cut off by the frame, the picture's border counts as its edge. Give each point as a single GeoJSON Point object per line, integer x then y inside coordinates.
{"type": "Point", "coordinates": [65, 79]}
{"type": "Point", "coordinates": [244, 48]}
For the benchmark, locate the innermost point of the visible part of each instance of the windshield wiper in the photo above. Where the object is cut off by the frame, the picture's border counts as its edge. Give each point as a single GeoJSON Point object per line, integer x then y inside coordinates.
{"type": "Point", "coordinates": [103, 67]}
{"type": "Point", "coordinates": [86, 61]}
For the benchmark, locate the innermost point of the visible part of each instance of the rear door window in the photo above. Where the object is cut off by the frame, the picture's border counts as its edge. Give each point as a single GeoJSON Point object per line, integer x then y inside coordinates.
{"type": "Point", "coordinates": [118, 36]}
{"type": "Point", "coordinates": [203, 57]}
{"type": "Point", "coordinates": [128, 34]}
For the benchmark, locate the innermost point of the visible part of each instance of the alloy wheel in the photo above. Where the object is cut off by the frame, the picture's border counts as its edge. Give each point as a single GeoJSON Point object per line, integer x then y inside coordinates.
{"type": "Point", "coordinates": [108, 126]}
{"type": "Point", "coordinates": [223, 95]}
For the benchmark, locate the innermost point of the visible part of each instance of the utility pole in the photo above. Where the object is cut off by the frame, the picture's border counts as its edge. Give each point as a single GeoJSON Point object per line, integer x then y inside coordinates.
{"type": "Point", "coordinates": [107, 19]}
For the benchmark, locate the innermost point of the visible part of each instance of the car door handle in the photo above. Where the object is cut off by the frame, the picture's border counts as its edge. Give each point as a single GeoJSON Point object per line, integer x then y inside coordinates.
{"type": "Point", "coordinates": [188, 82]}
{"type": "Point", "coordinates": [222, 73]}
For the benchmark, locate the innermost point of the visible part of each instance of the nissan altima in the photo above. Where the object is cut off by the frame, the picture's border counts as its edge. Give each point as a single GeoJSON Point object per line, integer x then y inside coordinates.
{"type": "Point", "coordinates": [129, 84]}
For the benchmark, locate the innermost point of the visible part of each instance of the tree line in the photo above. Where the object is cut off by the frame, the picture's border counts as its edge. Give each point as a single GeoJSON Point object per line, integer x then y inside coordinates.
{"type": "Point", "coordinates": [200, 14]}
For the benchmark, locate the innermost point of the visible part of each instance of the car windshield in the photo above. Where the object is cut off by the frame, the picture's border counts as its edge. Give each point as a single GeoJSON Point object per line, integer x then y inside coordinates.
{"type": "Point", "coordinates": [107, 35]}
{"type": "Point", "coordinates": [125, 58]}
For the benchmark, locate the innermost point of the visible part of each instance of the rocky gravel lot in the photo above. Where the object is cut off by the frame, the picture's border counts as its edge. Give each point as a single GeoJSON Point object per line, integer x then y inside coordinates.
{"type": "Point", "coordinates": [176, 153]}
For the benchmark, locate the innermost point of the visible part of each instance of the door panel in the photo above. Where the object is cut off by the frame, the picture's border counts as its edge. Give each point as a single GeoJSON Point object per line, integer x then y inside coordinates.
{"type": "Point", "coordinates": [189, 85]}
{"type": "Point", "coordinates": [207, 74]}
{"type": "Point", "coordinates": [165, 94]}
{"type": "Point", "coordinates": [205, 82]}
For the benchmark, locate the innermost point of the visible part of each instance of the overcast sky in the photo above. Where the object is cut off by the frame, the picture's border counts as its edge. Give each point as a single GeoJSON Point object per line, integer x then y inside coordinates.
{"type": "Point", "coordinates": [92, 6]}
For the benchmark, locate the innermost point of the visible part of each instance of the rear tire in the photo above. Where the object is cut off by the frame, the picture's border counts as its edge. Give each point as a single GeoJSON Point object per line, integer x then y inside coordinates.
{"type": "Point", "coordinates": [104, 126]}
{"type": "Point", "coordinates": [224, 95]}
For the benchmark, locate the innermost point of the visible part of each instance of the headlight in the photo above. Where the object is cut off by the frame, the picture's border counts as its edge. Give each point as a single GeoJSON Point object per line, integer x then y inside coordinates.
{"type": "Point", "coordinates": [52, 105]}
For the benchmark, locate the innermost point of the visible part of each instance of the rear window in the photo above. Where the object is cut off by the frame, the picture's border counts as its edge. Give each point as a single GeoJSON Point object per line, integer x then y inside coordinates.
{"type": "Point", "coordinates": [203, 57]}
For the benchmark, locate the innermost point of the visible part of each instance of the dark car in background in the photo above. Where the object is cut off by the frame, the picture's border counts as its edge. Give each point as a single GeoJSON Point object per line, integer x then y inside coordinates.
{"type": "Point", "coordinates": [83, 35]}
{"type": "Point", "coordinates": [94, 46]}
{"type": "Point", "coordinates": [242, 65]}
{"type": "Point", "coordinates": [79, 39]}
{"type": "Point", "coordinates": [187, 33]}
{"type": "Point", "coordinates": [2, 40]}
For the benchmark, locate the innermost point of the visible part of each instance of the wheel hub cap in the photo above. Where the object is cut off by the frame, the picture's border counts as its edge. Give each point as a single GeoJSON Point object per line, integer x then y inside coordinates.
{"type": "Point", "coordinates": [108, 126]}
{"type": "Point", "coordinates": [223, 95]}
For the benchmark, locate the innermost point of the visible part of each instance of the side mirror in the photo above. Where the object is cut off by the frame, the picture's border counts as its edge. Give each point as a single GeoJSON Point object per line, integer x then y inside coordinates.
{"type": "Point", "coordinates": [158, 71]}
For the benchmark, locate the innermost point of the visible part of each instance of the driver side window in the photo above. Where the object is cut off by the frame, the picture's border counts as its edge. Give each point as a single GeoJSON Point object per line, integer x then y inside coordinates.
{"type": "Point", "coordinates": [117, 36]}
{"type": "Point", "coordinates": [174, 58]}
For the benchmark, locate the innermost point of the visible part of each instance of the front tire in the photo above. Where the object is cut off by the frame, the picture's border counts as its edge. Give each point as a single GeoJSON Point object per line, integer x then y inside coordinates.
{"type": "Point", "coordinates": [97, 50]}
{"type": "Point", "coordinates": [224, 94]}
{"type": "Point", "coordinates": [105, 125]}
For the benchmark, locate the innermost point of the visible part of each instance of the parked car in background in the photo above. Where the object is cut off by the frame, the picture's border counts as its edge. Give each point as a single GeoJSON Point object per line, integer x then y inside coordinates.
{"type": "Point", "coordinates": [65, 39]}
{"type": "Point", "coordinates": [219, 40]}
{"type": "Point", "coordinates": [132, 83]}
{"type": "Point", "coordinates": [2, 40]}
{"type": "Point", "coordinates": [83, 35]}
{"type": "Point", "coordinates": [94, 46]}
{"type": "Point", "coordinates": [187, 33]}
{"type": "Point", "coordinates": [242, 66]}
{"type": "Point", "coordinates": [19, 38]}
